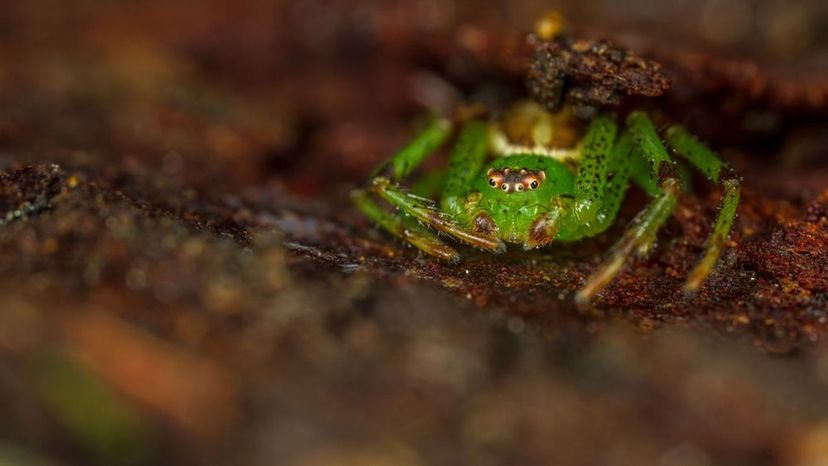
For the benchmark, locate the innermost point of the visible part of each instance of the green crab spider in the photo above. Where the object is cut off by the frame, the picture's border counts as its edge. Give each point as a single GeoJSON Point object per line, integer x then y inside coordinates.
{"type": "Point", "coordinates": [528, 190]}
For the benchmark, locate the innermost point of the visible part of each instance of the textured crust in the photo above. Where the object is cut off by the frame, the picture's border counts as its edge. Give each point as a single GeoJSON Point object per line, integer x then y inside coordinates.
{"type": "Point", "coordinates": [591, 73]}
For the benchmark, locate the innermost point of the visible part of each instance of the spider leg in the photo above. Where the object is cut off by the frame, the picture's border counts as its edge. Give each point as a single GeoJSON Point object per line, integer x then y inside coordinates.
{"type": "Point", "coordinates": [470, 147]}
{"type": "Point", "coordinates": [707, 162]}
{"type": "Point", "coordinates": [618, 180]}
{"type": "Point", "coordinates": [415, 234]}
{"type": "Point", "coordinates": [397, 167]}
{"type": "Point", "coordinates": [427, 213]}
{"type": "Point", "coordinates": [645, 225]}
{"type": "Point", "coordinates": [593, 169]}
{"type": "Point", "coordinates": [600, 184]}
{"type": "Point", "coordinates": [658, 166]}
{"type": "Point", "coordinates": [465, 164]}
{"type": "Point", "coordinates": [641, 234]}
{"type": "Point", "coordinates": [401, 164]}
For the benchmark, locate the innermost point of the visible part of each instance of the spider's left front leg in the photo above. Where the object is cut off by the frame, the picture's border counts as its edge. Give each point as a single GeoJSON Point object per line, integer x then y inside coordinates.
{"type": "Point", "coordinates": [641, 234]}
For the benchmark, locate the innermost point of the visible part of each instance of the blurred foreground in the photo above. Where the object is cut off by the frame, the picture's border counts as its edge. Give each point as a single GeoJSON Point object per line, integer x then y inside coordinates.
{"type": "Point", "coordinates": [183, 281]}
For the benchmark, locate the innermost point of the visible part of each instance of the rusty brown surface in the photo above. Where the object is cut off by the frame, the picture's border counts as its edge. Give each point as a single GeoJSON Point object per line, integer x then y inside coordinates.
{"type": "Point", "coordinates": [183, 279]}
{"type": "Point", "coordinates": [588, 73]}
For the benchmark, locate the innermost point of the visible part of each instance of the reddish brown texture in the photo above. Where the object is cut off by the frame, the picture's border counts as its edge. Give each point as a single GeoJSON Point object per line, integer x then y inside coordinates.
{"type": "Point", "coordinates": [28, 191]}
{"type": "Point", "coordinates": [194, 253]}
{"type": "Point", "coordinates": [773, 272]}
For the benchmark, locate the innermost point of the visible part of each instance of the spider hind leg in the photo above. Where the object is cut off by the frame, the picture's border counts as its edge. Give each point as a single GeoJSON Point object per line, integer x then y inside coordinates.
{"type": "Point", "coordinates": [709, 164]}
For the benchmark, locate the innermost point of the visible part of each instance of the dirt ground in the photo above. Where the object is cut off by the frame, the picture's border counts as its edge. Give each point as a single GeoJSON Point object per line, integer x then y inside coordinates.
{"type": "Point", "coordinates": [183, 279]}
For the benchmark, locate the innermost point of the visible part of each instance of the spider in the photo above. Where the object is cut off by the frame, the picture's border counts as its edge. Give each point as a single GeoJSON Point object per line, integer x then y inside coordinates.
{"type": "Point", "coordinates": [531, 177]}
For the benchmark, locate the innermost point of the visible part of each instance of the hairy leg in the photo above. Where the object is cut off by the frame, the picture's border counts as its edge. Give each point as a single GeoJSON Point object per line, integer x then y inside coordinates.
{"type": "Point", "coordinates": [575, 218]}
{"type": "Point", "coordinates": [593, 169]}
{"type": "Point", "coordinates": [640, 235]}
{"type": "Point", "coordinates": [649, 143]}
{"type": "Point", "coordinates": [425, 211]}
{"type": "Point", "coordinates": [618, 180]}
{"type": "Point", "coordinates": [416, 235]}
{"type": "Point", "coordinates": [645, 225]}
{"type": "Point", "coordinates": [384, 184]}
{"type": "Point", "coordinates": [465, 164]}
{"type": "Point", "coordinates": [707, 162]}
{"type": "Point", "coordinates": [657, 168]}
{"type": "Point", "coordinates": [397, 167]}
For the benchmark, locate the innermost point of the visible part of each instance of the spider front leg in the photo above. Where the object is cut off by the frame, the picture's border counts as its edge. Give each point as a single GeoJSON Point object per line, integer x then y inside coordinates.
{"type": "Point", "coordinates": [394, 224]}
{"type": "Point", "coordinates": [397, 167]}
{"type": "Point", "coordinates": [640, 235]}
{"type": "Point", "coordinates": [471, 144]}
{"type": "Point", "coordinates": [466, 160]}
{"type": "Point", "coordinates": [707, 162]}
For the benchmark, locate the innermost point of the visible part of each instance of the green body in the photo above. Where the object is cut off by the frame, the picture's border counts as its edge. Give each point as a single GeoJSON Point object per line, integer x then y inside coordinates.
{"type": "Point", "coordinates": [530, 198]}
{"type": "Point", "coordinates": [513, 213]}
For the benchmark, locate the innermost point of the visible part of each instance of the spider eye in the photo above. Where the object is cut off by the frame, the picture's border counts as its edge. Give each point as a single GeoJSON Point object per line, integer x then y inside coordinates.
{"type": "Point", "coordinates": [519, 187]}
{"type": "Point", "coordinates": [533, 185]}
{"type": "Point", "coordinates": [505, 187]}
{"type": "Point", "coordinates": [492, 182]}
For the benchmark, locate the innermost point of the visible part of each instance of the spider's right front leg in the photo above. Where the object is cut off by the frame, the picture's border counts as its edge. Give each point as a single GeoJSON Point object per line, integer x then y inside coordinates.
{"type": "Point", "coordinates": [384, 184]}
{"type": "Point", "coordinates": [466, 158]}
{"type": "Point", "coordinates": [412, 233]}
{"type": "Point", "coordinates": [396, 168]}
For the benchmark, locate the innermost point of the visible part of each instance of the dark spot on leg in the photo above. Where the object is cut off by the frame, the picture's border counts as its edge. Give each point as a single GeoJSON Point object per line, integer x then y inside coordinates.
{"type": "Point", "coordinates": [436, 220]}
{"type": "Point", "coordinates": [540, 234]}
{"type": "Point", "coordinates": [666, 170]}
{"type": "Point", "coordinates": [484, 224]}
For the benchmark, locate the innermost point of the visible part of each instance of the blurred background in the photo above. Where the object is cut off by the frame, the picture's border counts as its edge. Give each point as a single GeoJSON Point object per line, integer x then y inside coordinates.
{"type": "Point", "coordinates": [183, 281]}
